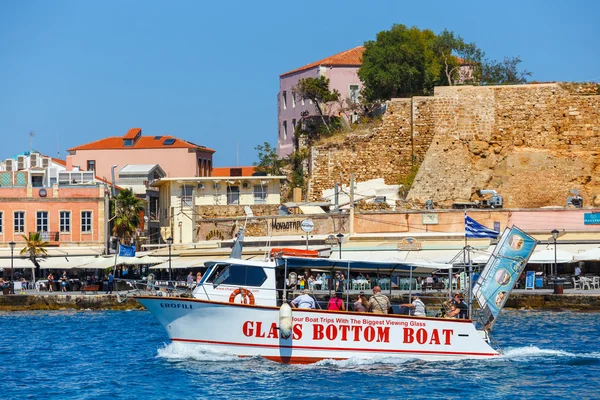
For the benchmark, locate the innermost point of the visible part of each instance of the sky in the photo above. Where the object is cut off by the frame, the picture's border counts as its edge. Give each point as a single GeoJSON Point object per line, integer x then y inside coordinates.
{"type": "Point", "coordinates": [77, 71]}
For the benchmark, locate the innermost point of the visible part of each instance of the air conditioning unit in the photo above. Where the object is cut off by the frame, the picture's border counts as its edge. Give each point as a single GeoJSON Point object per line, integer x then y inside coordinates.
{"type": "Point", "coordinates": [34, 159]}
{"type": "Point", "coordinates": [201, 186]}
{"type": "Point", "coordinates": [45, 162]}
{"type": "Point", "coordinates": [245, 185]}
{"type": "Point", "coordinates": [216, 186]}
{"type": "Point", "coordinates": [10, 164]}
{"type": "Point", "coordinates": [21, 162]}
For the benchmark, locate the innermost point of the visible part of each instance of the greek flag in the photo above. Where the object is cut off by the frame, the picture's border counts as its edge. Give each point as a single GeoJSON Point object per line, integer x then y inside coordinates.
{"type": "Point", "coordinates": [474, 229]}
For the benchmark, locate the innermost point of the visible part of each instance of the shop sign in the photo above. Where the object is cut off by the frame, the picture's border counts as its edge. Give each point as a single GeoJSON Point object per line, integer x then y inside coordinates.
{"type": "Point", "coordinates": [409, 244]}
{"type": "Point", "coordinates": [591, 218]}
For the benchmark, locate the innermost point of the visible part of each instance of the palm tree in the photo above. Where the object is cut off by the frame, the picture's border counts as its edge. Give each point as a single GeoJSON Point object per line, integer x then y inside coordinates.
{"type": "Point", "coordinates": [126, 210]}
{"type": "Point", "coordinates": [35, 247]}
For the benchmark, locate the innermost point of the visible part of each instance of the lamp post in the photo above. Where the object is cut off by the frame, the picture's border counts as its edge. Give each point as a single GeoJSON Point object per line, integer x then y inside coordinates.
{"type": "Point", "coordinates": [170, 243]}
{"type": "Point", "coordinates": [556, 290]}
{"type": "Point", "coordinates": [12, 269]}
{"type": "Point", "coordinates": [340, 238]}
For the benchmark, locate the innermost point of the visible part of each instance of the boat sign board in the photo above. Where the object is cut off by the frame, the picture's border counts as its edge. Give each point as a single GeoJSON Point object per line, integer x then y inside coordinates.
{"type": "Point", "coordinates": [591, 218]}
{"type": "Point", "coordinates": [307, 225]}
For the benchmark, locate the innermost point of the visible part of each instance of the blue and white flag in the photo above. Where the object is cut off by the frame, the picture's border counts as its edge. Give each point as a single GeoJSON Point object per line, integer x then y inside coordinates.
{"type": "Point", "coordinates": [474, 229]}
{"type": "Point", "coordinates": [126, 251]}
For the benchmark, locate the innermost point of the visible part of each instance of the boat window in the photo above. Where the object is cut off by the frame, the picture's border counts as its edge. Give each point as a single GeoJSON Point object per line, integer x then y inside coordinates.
{"type": "Point", "coordinates": [232, 274]}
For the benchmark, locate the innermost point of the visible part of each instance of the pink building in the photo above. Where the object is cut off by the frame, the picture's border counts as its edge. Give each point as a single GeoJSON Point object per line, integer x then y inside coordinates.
{"type": "Point", "coordinates": [175, 156]}
{"type": "Point", "coordinates": [341, 70]}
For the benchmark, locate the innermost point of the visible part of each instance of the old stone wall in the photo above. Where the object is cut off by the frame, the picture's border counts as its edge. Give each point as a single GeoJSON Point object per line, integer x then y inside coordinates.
{"type": "Point", "coordinates": [531, 143]}
{"type": "Point", "coordinates": [388, 151]}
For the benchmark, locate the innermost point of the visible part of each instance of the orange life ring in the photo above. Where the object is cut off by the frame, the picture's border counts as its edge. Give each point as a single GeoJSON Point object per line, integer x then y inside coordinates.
{"type": "Point", "coordinates": [247, 296]}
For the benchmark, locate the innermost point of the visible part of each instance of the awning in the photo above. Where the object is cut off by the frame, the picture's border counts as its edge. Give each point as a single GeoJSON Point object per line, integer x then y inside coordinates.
{"type": "Point", "coordinates": [364, 265]}
{"type": "Point", "coordinates": [65, 262]}
{"type": "Point", "coordinates": [143, 260]}
{"type": "Point", "coordinates": [548, 257]}
{"type": "Point", "coordinates": [188, 262]}
{"type": "Point", "coordinates": [17, 263]}
{"type": "Point", "coordinates": [590, 255]}
{"type": "Point", "coordinates": [311, 210]}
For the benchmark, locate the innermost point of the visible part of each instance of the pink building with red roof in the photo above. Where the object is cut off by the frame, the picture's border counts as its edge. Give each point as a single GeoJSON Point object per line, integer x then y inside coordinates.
{"type": "Point", "coordinates": [341, 69]}
{"type": "Point", "coordinates": [177, 157]}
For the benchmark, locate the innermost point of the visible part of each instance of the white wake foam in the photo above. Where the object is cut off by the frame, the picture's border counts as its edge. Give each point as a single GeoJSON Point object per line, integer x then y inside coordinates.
{"type": "Point", "coordinates": [190, 351]}
{"type": "Point", "coordinates": [534, 351]}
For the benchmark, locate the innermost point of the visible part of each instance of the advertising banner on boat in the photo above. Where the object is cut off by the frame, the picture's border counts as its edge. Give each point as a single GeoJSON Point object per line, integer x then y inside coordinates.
{"type": "Point", "coordinates": [502, 271]}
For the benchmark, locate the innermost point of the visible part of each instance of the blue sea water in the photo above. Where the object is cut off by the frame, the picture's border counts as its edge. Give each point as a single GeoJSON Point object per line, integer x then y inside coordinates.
{"type": "Point", "coordinates": [124, 355]}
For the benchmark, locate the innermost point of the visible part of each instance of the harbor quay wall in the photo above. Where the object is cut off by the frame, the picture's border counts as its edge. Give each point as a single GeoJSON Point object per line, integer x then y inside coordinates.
{"type": "Point", "coordinates": [66, 302]}
{"type": "Point", "coordinates": [530, 301]}
{"type": "Point", "coordinates": [531, 143]}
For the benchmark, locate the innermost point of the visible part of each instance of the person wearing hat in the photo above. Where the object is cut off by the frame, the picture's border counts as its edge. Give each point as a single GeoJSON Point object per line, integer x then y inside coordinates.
{"type": "Point", "coordinates": [305, 300]}
{"type": "Point", "coordinates": [361, 305]}
{"type": "Point", "coordinates": [417, 305]}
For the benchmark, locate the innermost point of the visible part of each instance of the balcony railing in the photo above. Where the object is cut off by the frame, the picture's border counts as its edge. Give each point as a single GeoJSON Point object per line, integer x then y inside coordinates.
{"type": "Point", "coordinates": [49, 236]}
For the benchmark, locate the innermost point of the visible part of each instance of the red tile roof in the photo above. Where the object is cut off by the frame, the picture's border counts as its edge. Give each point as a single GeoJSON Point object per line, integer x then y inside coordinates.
{"type": "Point", "coordinates": [132, 133]}
{"type": "Point", "coordinates": [144, 142]}
{"type": "Point", "coordinates": [350, 57]}
{"type": "Point", "coordinates": [226, 171]}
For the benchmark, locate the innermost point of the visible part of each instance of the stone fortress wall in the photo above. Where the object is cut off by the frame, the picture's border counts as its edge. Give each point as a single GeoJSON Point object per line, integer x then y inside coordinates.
{"type": "Point", "coordinates": [531, 143]}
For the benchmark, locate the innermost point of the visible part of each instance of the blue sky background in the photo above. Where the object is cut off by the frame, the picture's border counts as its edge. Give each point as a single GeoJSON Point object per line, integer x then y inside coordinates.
{"type": "Point", "coordinates": [208, 72]}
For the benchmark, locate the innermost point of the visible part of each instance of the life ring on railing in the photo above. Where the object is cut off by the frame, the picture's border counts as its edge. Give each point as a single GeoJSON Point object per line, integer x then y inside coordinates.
{"type": "Point", "coordinates": [247, 296]}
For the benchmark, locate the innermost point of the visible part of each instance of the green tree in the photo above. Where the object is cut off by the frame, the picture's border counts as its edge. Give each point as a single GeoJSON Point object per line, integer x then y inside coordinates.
{"type": "Point", "coordinates": [268, 161]}
{"type": "Point", "coordinates": [504, 72]}
{"type": "Point", "coordinates": [317, 90]}
{"type": "Point", "coordinates": [126, 210]}
{"type": "Point", "coordinates": [34, 247]}
{"type": "Point", "coordinates": [456, 55]}
{"type": "Point", "coordinates": [400, 63]}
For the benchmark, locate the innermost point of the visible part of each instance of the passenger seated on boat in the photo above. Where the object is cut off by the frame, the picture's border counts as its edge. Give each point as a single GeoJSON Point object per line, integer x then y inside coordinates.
{"type": "Point", "coordinates": [463, 308]}
{"type": "Point", "coordinates": [379, 302]}
{"type": "Point", "coordinates": [318, 282]}
{"type": "Point", "coordinates": [453, 313]}
{"type": "Point", "coordinates": [361, 305]}
{"type": "Point", "coordinates": [305, 300]}
{"type": "Point", "coordinates": [336, 303]}
{"type": "Point", "coordinates": [417, 305]}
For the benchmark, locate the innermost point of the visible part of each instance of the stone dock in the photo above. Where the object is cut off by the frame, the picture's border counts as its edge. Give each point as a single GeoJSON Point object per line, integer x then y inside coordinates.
{"type": "Point", "coordinates": [588, 300]}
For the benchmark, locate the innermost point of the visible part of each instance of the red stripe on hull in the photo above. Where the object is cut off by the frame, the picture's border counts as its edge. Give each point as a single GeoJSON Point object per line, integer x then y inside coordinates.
{"type": "Point", "coordinates": [364, 350]}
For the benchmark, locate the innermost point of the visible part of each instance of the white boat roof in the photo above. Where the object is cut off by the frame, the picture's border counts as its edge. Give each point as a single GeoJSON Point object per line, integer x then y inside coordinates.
{"type": "Point", "coordinates": [365, 265]}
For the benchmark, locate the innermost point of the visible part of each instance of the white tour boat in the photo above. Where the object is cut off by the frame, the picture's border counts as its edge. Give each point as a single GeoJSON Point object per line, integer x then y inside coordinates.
{"type": "Point", "coordinates": [236, 309]}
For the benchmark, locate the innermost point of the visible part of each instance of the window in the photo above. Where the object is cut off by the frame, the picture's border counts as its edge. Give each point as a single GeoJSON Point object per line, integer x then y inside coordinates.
{"type": "Point", "coordinates": [260, 194]}
{"type": "Point", "coordinates": [302, 100]}
{"type": "Point", "coordinates": [41, 221]}
{"type": "Point", "coordinates": [169, 142]}
{"type": "Point", "coordinates": [1, 222]}
{"type": "Point", "coordinates": [285, 129]}
{"type": "Point", "coordinates": [284, 100]}
{"type": "Point", "coordinates": [19, 221]}
{"type": "Point", "coordinates": [186, 195]}
{"type": "Point", "coordinates": [91, 165]}
{"type": "Point", "coordinates": [65, 221]}
{"type": "Point", "coordinates": [239, 275]}
{"type": "Point", "coordinates": [128, 142]}
{"type": "Point", "coordinates": [294, 124]}
{"type": "Point", "coordinates": [353, 93]}
{"type": "Point", "coordinates": [293, 99]}
{"type": "Point", "coordinates": [233, 195]}
{"type": "Point", "coordinates": [86, 221]}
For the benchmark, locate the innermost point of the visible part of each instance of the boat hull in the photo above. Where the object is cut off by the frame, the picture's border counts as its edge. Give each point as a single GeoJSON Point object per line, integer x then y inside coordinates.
{"type": "Point", "coordinates": [249, 330]}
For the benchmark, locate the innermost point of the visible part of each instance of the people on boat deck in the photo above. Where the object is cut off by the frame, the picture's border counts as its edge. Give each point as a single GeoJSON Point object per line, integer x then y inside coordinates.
{"type": "Point", "coordinates": [463, 308]}
{"type": "Point", "coordinates": [453, 313]}
{"type": "Point", "coordinates": [302, 283]}
{"type": "Point", "coordinates": [362, 304]}
{"type": "Point", "coordinates": [336, 303]}
{"type": "Point", "coordinates": [305, 300]}
{"type": "Point", "coordinates": [190, 279]}
{"type": "Point", "coordinates": [318, 282]}
{"type": "Point", "coordinates": [379, 303]}
{"type": "Point", "coordinates": [417, 305]}
{"type": "Point", "coordinates": [339, 284]}
{"type": "Point", "coordinates": [311, 282]}
{"type": "Point", "coordinates": [198, 278]}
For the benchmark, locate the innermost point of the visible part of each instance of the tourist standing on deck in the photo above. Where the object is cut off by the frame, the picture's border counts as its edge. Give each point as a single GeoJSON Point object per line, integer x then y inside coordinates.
{"type": "Point", "coordinates": [336, 303]}
{"type": "Point", "coordinates": [305, 300]}
{"type": "Point", "coordinates": [111, 279]}
{"type": "Point", "coordinates": [190, 280]}
{"type": "Point", "coordinates": [198, 278]}
{"type": "Point", "coordinates": [418, 306]}
{"type": "Point", "coordinates": [379, 303]}
{"type": "Point", "coordinates": [362, 304]}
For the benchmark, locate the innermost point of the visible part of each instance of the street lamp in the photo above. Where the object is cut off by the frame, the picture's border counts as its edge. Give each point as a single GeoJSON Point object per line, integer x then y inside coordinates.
{"type": "Point", "coordinates": [555, 236]}
{"type": "Point", "coordinates": [170, 243]}
{"type": "Point", "coordinates": [340, 238]}
{"type": "Point", "coordinates": [12, 269]}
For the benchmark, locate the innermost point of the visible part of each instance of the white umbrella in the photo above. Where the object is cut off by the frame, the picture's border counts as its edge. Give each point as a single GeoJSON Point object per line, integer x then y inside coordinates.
{"type": "Point", "coordinates": [548, 257]}
{"type": "Point", "coordinates": [590, 255]}
{"type": "Point", "coordinates": [143, 260]}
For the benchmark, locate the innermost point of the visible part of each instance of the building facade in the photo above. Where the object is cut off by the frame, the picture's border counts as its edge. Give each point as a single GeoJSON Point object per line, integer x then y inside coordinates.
{"type": "Point", "coordinates": [341, 70]}
{"type": "Point", "coordinates": [183, 201]}
{"type": "Point", "coordinates": [177, 157]}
